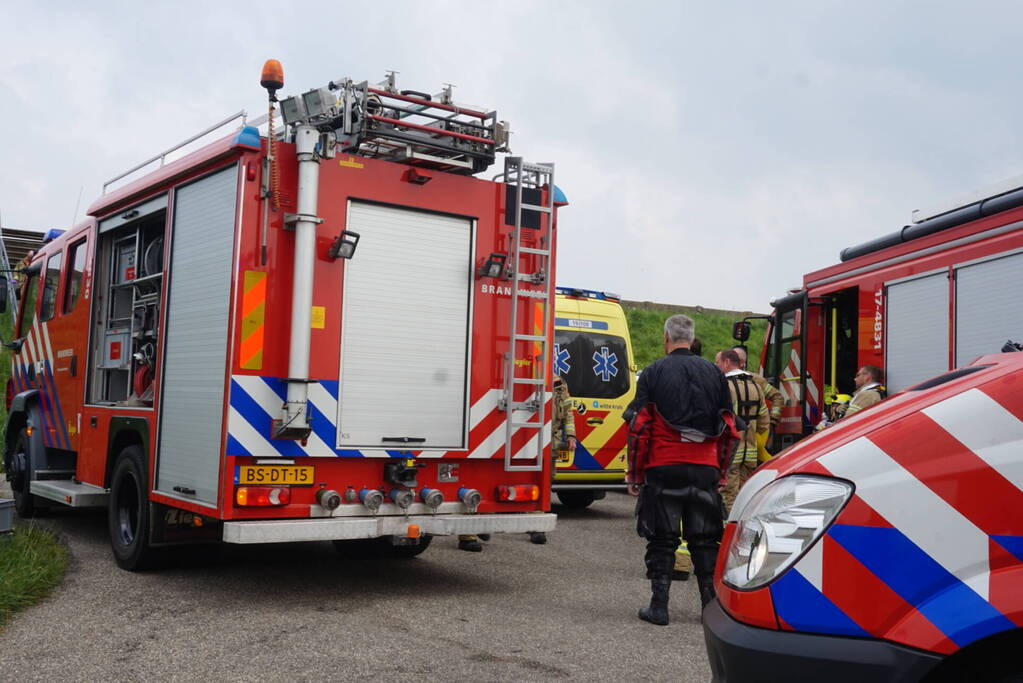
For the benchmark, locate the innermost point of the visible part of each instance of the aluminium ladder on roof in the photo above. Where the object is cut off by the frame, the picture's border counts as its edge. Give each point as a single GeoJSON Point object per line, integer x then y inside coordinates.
{"type": "Point", "coordinates": [530, 414]}
{"type": "Point", "coordinates": [5, 266]}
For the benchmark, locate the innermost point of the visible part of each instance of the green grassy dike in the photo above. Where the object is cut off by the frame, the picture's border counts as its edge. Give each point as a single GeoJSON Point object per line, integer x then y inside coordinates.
{"type": "Point", "coordinates": [32, 560]}
{"type": "Point", "coordinates": [713, 328]}
{"type": "Point", "coordinates": [32, 563]}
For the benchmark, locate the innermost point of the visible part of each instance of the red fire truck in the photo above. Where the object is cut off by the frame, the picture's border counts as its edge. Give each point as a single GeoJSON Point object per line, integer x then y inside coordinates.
{"type": "Point", "coordinates": [332, 331]}
{"type": "Point", "coordinates": [927, 298]}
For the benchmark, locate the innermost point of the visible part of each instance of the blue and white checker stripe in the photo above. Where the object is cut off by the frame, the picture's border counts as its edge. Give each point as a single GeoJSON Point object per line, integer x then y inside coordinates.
{"type": "Point", "coordinates": [256, 401]}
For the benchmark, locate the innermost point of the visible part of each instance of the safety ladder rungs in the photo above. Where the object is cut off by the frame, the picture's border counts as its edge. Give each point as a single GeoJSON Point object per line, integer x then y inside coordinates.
{"type": "Point", "coordinates": [531, 250]}
{"type": "Point", "coordinates": [531, 425]}
{"type": "Point", "coordinates": [534, 207]}
{"type": "Point", "coordinates": [529, 337]}
{"type": "Point", "coordinates": [523, 380]}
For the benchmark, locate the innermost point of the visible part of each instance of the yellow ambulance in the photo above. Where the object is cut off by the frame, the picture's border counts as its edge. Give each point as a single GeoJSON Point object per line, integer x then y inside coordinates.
{"type": "Point", "coordinates": [593, 354]}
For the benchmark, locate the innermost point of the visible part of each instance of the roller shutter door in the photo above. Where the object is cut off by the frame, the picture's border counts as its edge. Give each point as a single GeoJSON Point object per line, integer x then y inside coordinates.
{"type": "Point", "coordinates": [405, 330]}
{"type": "Point", "coordinates": [917, 330]}
{"type": "Point", "coordinates": [989, 308]}
{"type": "Point", "coordinates": [195, 351]}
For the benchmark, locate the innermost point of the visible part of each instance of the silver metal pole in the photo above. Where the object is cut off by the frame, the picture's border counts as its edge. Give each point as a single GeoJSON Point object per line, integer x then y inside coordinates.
{"type": "Point", "coordinates": [295, 409]}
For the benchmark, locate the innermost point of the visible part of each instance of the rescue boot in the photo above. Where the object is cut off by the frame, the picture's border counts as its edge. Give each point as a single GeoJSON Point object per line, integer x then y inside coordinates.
{"type": "Point", "coordinates": [470, 544]}
{"type": "Point", "coordinates": [706, 584]}
{"type": "Point", "coordinates": [657, 612]}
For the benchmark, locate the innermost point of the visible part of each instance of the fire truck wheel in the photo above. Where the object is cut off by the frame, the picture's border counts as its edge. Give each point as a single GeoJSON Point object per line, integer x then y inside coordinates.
{"type": "Point", "coordinates": [21, 466]}
{"type": "Point", "coordinates": [381, 547]}
{"type": "Point", "coordinates": [128, 512]}
{"type": "Point", "coordinates": [576, 500]}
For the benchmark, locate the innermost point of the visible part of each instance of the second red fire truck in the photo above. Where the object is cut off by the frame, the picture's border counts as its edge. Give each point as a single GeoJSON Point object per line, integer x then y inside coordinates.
{"type": "Point", "coordinates": [330, 332]}
{"type": "Point", "coordinates": [917, 302]}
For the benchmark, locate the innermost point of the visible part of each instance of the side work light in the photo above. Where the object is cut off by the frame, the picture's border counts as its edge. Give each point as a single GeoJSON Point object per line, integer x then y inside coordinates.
{"type": "Point", "coordinates": [493, 266]}
{"type": "Point", "coordinates": [344, 245]}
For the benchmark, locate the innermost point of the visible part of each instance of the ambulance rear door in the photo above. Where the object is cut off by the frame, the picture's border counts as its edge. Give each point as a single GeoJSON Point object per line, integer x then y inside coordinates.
{"type": "Point", "coordinates": [593, 355]}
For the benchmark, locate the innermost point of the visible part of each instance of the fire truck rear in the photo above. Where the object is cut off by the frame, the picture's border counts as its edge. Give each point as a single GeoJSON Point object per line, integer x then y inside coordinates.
{"type": "Point", "coordinates": [332, 331]}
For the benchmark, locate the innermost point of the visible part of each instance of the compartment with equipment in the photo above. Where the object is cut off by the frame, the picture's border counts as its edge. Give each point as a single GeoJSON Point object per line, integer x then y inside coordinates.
{"type": "Point", "coordinates": [128, 289]}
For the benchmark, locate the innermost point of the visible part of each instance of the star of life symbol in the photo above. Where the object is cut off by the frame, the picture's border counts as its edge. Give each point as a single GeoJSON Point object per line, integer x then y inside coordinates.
{"type": "Point", "coordinates": [561, 357]}
{"type": "Point", "coordinates": [605, 364]}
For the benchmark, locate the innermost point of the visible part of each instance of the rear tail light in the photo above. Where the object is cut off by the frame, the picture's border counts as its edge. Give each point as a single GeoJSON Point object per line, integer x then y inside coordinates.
{"type": "Point", "coordinates": [262, 496]}
{"type": "Point", "coordinates": [9, 398]}
{"type": "Point", "coordinates": [518, 492]}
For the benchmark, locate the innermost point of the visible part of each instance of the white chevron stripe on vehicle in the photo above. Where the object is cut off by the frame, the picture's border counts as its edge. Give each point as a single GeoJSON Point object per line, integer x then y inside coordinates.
{"type": "Point", "coordinates": [260, 392]}
{"type": "Point", "coordinates": [40, 341]}
{"type": "Point", "coordinates": [246, 435]}
{"type": "Point", "coordinates": [489, 445]}
{"type": "Point", "coordinates": [981, 424]}
{"type": "Point", "coordinates": [811, 565]}
{"type": "Point", "coordinates": [49, 348]}
{"type": "Point", "coordinates": [529, 450]}
{"type": "Point", "coordinates": [483, 407]}
{"type": "Point", "coordinates": [915, 510]}
{"type": "Point", "coordinates": [29, 348]}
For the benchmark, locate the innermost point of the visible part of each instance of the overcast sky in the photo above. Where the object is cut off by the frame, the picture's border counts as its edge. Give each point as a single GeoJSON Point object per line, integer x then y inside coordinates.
{"type": "Point", "coordinates": [712, 152]}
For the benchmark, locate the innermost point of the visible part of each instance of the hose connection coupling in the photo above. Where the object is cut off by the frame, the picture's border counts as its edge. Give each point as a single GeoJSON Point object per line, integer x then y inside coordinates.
{"type": "Point", "coordinates": [470, 498]}
{"type": "Point", "coordinates": [432, 498]}
{"type": "Point", "coordinates": [372, 499]}
{"type": "Point", "coordinates": [403, 498]}
{"type": "Point", "coordinates": [328, 498]}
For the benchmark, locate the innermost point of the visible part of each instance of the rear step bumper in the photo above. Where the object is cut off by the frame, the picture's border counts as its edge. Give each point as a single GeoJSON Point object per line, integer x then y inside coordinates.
{"type": "Point", "coordinates": [292, 530]}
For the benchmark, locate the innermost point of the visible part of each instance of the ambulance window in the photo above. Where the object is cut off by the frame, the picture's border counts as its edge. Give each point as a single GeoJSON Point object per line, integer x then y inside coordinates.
{"type": "Point", "coordinates": [28, 309]}
{"type": "Point", "coordinates": [76, 267]}
{"type": "Point", "coordinates": [50, 288]}
{"type": "Point", "coordinates": [593, 365]}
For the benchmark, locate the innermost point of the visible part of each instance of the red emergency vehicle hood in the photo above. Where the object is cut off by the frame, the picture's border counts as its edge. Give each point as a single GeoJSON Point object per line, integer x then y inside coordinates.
{"type": "Point", "coordinates": [803, 456]}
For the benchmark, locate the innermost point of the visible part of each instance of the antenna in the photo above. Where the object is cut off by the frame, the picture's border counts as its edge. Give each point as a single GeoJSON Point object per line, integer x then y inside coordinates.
{"type": "Point", "coordinates": [77, 203]}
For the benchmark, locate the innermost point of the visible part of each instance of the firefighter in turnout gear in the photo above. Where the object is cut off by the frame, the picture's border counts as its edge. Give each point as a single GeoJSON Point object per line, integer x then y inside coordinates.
{"type": "Point", "coordinates": [775, 399]}
{"type": "Point", "coordinates": [868, 389]}
{"type": "Point", "coordinates": [750, 406]}
{"type": "Point", "coordinates": [563, 430]}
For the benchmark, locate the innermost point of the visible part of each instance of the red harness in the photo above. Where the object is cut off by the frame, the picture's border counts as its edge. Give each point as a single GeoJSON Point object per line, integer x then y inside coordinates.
{"type": "Point", "coordinates": [653, 442]}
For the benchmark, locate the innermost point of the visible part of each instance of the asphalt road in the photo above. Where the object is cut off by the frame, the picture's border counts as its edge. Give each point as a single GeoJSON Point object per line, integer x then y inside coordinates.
{"type": "Point", "coordinates": [296, 612]}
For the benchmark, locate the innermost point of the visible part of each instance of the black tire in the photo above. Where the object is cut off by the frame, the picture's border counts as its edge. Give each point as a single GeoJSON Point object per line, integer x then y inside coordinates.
{"type": "Point", "coordinates": [382, 547]}
{"type": "Point", "coordinates": [21, 476]}
{"type": "Point", "coordinates": [577, 500]}
{"type": "Point", "coordinates": [128, 513]}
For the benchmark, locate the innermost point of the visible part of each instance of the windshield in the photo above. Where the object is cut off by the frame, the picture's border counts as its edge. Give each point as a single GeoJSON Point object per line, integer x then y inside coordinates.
{"type": "Point", "coordinates": [594, 365]}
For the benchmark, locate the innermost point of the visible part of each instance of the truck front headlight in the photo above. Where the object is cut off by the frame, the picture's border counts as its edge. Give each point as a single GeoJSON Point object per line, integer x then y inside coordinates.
{"type": "Point", "coordinates": [780, 522]}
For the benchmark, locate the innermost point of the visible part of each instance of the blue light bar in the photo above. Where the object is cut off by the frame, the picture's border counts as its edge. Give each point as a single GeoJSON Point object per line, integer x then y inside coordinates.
{"type": "Point", "coordinates": [587, 293]}
{"type": "Point", "coordinates": [248, 137]}
{"type": "Point", "coordinates": [559, 197]}
{"type": "Point", "coordinates": [52, 234]}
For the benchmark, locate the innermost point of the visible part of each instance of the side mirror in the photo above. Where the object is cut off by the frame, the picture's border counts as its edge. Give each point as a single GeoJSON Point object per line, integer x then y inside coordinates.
{"type": "Point", "coordinates": [4, 284]}
{"type": "Point", "coordinates": [740, 330]}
